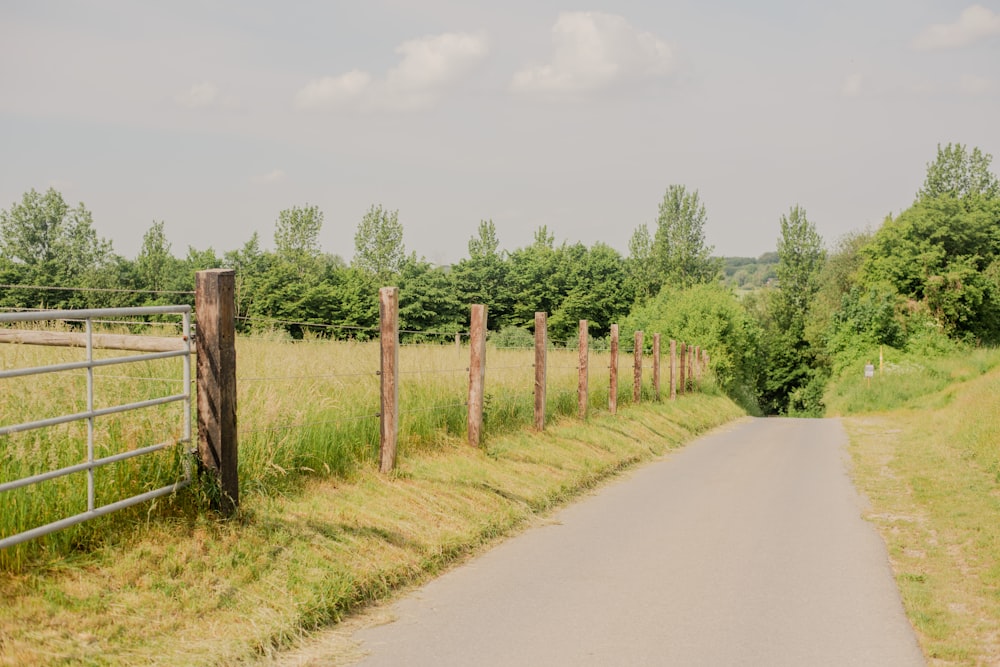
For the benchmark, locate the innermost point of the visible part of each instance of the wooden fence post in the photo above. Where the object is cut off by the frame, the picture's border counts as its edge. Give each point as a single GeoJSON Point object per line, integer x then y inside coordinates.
{"type": "Point", "coordinates": [388, 308]}
{"type": "Point", "coordinates": [637, 368]}
{"type": "Point", "coordinates": [613, 392]}
{"type": "Point", "coordinates": [541, 343]}
{"type": "Point", "coordinates": [690, 368]}
{"type": "Point", "coordinates": [215, 341]}
{"type": "Point", "coordinates": [682, 366]}
{"type": "Point", "coordinates": [673, 369]}
{"type": "Point", "coordinates": [583, 383]}
{"type": "Point", "coordinates": [477, 372]}
{"type": "Point", "coordinates": [656, 366]}
{"type": "Point", "coordinates": [697, 366]}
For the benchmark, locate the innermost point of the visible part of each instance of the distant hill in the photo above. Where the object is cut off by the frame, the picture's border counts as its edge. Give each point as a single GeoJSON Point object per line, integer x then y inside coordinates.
{"type": "Point", "coordinates": [749, 273]}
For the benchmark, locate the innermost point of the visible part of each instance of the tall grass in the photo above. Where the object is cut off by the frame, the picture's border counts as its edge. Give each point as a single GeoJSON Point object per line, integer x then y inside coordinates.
{"type": "Point", "coordinates": [906, 380]}
{"type": "Point", "coordinates": [304, 409]}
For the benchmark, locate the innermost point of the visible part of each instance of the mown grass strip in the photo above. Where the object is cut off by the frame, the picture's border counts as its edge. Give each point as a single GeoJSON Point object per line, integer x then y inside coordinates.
{"type": "Point", "coordinates": [932, 474]}
{"type": "Point", "coordinates": [200, 591]}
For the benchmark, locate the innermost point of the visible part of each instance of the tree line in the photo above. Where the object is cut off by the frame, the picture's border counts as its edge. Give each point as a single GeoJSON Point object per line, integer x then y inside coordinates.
{"type": "Point", "coordinates": [928, 278]}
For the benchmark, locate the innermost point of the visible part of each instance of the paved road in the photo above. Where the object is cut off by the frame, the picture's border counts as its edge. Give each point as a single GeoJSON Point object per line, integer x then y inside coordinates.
{"type": "Point", "coordinates": [745, 548]}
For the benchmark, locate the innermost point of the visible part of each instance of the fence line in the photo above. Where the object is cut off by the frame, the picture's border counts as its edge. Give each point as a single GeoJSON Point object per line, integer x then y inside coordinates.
{"type": "Point", "coordinates": [217, 377]}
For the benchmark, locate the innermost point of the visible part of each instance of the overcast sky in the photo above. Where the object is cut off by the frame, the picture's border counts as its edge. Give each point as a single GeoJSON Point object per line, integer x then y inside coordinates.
{"type": "Point", "coordinates": [213, 116]}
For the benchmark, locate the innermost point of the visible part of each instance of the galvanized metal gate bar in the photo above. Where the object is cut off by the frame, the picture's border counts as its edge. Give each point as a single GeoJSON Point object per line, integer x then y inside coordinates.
{"type": "Point", "coordinates": [91, 414]}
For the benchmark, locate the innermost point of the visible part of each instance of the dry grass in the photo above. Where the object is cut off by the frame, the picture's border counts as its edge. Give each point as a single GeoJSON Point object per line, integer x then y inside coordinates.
{"type": "Point", "coordinates": [195, 590]}
{"type": "Point", "coordinates": [931, 473]}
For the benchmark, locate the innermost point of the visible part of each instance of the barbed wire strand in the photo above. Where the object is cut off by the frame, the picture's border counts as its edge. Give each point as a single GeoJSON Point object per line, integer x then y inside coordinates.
{"type": "Point", "coordinates": [319, 325]}
{"type": "Point", "coordinates": [443, 370]}
{"type": "Point", "coordinates": [434, 408]}
{"type": "Point", "coordinates": [306, 377]}
{"type": "Point", "coordinates": [116, 290]}
{"type": "Point", "coordinates": [292, 427]}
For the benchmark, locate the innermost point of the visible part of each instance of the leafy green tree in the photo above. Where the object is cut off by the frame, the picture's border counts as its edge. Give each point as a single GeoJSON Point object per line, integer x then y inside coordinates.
{"type": "Point", "coordinates": [710, 316]}
{"type": "Point", "coordinates": [795, 377]}
{"type": "Point", "coordinates": [296, 239]}
{"type": "Point", "coordinates": [800, 258]}
{"type": "Point", "coordinates": [45, 242]}
{"type": "Point", "coordinates": [681, 256]}
{"type": "Point", "coordinates": [961, 174]}
{"type": "Point", "coordinates": [156, 267]}
{"type": "Point", "coordinates": [483, 277]}
{"type": "Point", "coordinates": [641, 268]}
{"type": "Point", "coordinates": [428, 303]}
{"type": "Point", "coordinates": [593, 287]}
{"type": "Point", "coordinates": [378, 245]}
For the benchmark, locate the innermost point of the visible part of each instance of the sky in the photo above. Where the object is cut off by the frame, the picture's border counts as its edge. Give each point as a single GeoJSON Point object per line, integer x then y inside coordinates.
{"type": "Point", "coordinates": [213, 116]}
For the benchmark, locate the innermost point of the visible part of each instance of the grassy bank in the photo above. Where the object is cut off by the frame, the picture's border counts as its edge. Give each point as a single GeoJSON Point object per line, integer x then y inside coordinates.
{"type": "Point", "coordinates": [931, 470]}
{"type": "Point", "coordinates": [193, 590]}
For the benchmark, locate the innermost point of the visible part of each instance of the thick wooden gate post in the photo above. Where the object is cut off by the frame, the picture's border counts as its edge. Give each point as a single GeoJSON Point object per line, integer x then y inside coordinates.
{"type": "Point", "coordinates": [541, 342]}
{"type": "Point", "coordinates": [388, 309]}
{"type": "Point", "coordinates": [682, 365]}
{"type": "Point", "coordinates": [477, 372]}
{"type": "Point", "coordinates": [637, 368]}
{"type": "Point", "coordinates": [673, 370]}
{"type": "Point", "coordinates": [656, 366]}
{"type": "Point", "coordinates": [613, 390]}
{"type": "Point", "coordinates": [583, 382]}
{"type": "Point", "coordinates": [215, 307]}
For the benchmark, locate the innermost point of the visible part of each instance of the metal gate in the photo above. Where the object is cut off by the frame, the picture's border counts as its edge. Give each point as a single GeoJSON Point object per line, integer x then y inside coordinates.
{"type": "Point", "coordinates": [170, 347]}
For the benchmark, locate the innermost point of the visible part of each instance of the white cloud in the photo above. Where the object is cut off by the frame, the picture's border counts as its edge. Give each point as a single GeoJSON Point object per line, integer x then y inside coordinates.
{"type": "Point", "coordinates": [273, 176]}
{"type": "Point", "coordinates": [593, 50]}
{"type": "Point", "coordinates": [202, 96]}
{"type": "Point", "coordinates": [975, 23]}
{"type": "Point", "coordinates": [973, 84]}
{"type": "Point", "coordinates": [429, 66]}
{"type": "Point", "coordinates": [852, 85]}
{"type": "Point", "coordinates": [332, 91]}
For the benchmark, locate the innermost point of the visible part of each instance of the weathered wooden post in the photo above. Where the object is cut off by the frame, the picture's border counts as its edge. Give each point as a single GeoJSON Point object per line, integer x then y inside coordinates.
{"type": "Point", "coordinates": [682, 366]}
{"type": "Point", "coordinates": [477, 372]}
{"type": "Point", "coordinates": [656, 366]}
{"type": "Point", "coordinates": [218, 451]}
{"type": "Point", "coordinates": [541, 343]}
{"type": "Point", "coordinates": [458, 342]}
{"type": "Point", "coordinates": [692, 350]}
{"type": "Point", "coordinates": [613, 393]}
{"type": "Point", "coordinates": [637, 368]}
{"type": "Point", "coordinates": [388, 308]}
{"type": "Point", "coordinates": [583, 382]}
{"type": "Point", "coordinates": [696, 365]}
{"type": "Point", "coordinates": [673, 369]}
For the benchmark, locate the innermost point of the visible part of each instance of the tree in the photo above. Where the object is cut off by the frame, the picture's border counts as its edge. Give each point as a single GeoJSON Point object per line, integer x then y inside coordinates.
{"type": "Point", "coordinates": [485, 243]}
{"type": "Point", "coordinates": [483, 277]}
{"type": "Point", "coordinates": [960, 174]}
{"type": "Point", "coordinates": [296, 234]}
{"type": "Point", "coordinates": [45, 242]}
{"type": "Point", "coordinates": [641, 267]}
{"type": "Point", "coordinates": [155, 265]}
{"type": "Point", "coordinates": [681, 256]}
{"type": "Point", "coordinates": [800, 258]}
{"type": "Point", "coordinates": [795, 378]}
{"type": "Point", "coordinates": [378, 244]}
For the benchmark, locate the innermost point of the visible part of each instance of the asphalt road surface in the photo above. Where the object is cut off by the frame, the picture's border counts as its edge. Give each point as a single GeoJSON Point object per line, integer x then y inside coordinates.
{"type": "Point", "coordinates": [747, 547]}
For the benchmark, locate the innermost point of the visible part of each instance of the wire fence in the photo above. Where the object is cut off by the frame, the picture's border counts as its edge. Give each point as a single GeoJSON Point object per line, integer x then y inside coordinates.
{"type": "Point", "coordinates": [324, 401]}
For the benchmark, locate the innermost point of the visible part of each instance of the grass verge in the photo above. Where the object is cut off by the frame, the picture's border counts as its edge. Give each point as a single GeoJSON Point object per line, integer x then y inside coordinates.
{"type": "Point", "coordinates": [931, 472]}
{"type": "Point", "coordinates": [200, 591]}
